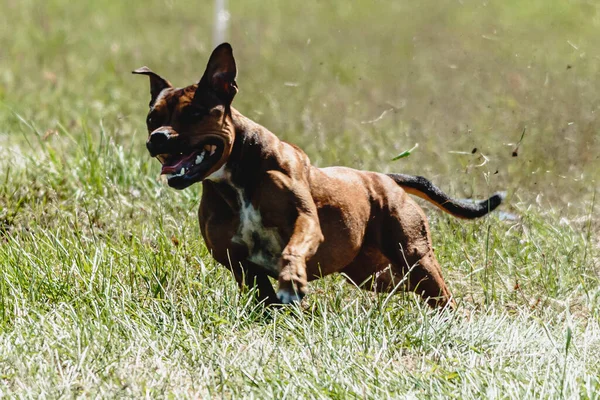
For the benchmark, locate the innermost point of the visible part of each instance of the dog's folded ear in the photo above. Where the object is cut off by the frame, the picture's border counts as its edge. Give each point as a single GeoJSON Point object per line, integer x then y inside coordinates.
{"type": "Point", "coordinates": [157, 82]}
{"type": "Point", "coordinates": [220, 73]}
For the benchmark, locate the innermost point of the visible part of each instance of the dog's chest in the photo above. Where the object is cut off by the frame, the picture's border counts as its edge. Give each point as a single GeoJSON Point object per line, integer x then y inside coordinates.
{"type": "Point", "coordinates": [263, 244]}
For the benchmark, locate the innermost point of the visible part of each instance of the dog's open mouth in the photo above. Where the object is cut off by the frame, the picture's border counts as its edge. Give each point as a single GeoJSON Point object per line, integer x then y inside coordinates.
{"type": "Point", "coordinates": [184, 169]}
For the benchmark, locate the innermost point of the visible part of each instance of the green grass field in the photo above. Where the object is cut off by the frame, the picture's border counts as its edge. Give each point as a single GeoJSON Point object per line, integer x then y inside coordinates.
{"type": "Point", "coordinates": [107, 289]}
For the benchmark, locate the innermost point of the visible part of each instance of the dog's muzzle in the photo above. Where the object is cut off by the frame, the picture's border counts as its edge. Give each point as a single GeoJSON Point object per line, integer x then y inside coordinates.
{"type": "Point", "coordinates": [159, 143]}
{"type": "Point", "coordinates": [183, 164]}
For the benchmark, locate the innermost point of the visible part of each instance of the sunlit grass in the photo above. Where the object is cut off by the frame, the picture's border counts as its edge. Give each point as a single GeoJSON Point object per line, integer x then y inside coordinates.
{"type": "Point", "coordinates": [107, 289]}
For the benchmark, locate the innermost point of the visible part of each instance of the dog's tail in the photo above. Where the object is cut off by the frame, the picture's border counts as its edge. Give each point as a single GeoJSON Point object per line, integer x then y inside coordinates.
{"type": "Point", "coordinates": [423, 188]}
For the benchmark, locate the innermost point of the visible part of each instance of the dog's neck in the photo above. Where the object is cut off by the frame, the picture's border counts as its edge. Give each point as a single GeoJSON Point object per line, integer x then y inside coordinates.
{"type": "Point", "coordinates": [253, 152]}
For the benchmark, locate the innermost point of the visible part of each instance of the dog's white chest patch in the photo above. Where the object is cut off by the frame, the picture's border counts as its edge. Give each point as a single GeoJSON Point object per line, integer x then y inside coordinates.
{"type": "Point", "coordinates": [264, 244]}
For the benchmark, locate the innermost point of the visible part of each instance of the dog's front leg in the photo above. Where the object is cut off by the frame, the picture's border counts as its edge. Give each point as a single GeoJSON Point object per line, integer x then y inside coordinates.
{"type": "Point", "coordinates": [303, 244]}
{"type": "Point", "coordinates": [253, 277]}
{"type": "Point", "coordinates": [290, 201]}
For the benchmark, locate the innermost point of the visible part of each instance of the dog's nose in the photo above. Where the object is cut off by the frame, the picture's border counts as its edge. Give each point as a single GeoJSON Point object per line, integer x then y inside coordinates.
{"type": "Point", "coordinates": [156, 140]}
{"type": "Point", "coordinates": [159, 137]}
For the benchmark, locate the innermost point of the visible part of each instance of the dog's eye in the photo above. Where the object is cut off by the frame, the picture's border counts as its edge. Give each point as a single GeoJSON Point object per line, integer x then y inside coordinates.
{"type": "Point", "coordinates": [193, 114]}
{"type": "Point", "coordinates": [150, 119]}
{"type": "Point", "coordinates": [153, 121]}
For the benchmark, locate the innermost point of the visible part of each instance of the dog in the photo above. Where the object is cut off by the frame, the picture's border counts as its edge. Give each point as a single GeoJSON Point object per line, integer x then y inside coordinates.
{"type": "Point", "coordinates": [267, 212]}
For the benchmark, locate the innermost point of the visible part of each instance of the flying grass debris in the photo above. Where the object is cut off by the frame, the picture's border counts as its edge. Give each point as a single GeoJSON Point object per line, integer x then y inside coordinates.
{"type": "Point", "coordinates": [405, 153]}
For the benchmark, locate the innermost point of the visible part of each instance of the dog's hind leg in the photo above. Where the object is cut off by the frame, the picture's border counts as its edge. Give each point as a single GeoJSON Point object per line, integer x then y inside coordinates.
{"type": "Point", "coordinates": [406, 241]}
{"type": "Point", "coordinates": [371, 270]}
{"type": "Point", "coordinates": [425, 278]}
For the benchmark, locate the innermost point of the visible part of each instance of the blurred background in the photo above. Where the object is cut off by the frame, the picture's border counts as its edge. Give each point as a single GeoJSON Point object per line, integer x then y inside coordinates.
{"type": "Point", "coordinates": [353, 83]}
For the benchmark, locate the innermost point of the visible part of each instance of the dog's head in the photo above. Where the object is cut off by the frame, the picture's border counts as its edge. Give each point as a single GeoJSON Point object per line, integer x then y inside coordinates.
{"type": "Point", "coordinates": [190, 129]}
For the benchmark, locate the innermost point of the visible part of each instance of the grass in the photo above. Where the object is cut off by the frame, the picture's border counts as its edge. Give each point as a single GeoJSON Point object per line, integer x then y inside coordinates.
{"type": "Point", "coordinates": [106, 288]}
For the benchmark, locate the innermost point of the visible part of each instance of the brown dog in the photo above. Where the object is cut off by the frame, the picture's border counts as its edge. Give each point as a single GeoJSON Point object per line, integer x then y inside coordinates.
{"type": "Point", "coordinates": [267, 212]}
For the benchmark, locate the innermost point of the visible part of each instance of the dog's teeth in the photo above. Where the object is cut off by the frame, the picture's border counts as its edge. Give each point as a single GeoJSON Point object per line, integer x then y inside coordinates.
{"type": "Point", "coordinates": [207, 147]}
{"type": "Point", "coordinates": [181, 173]}
{"type": "Point", "coordinates": [199, 158]}
{"type": "Point", "coordinates": [213, 148]}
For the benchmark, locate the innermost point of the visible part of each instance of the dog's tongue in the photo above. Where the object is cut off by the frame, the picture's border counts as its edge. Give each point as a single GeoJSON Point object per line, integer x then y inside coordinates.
{"type": "Point", "coordinates": [175, 163]}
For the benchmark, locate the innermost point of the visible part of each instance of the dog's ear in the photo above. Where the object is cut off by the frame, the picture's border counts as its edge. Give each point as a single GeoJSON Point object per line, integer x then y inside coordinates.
{"type": "Point", "coordinates": [220, 73]}
{"type": "Point", "coordinates": [157, 82]}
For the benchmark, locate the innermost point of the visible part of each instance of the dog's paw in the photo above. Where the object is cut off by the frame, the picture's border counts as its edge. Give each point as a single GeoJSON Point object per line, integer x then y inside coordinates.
{"type": "Point", "coordinates": [288, 297]}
